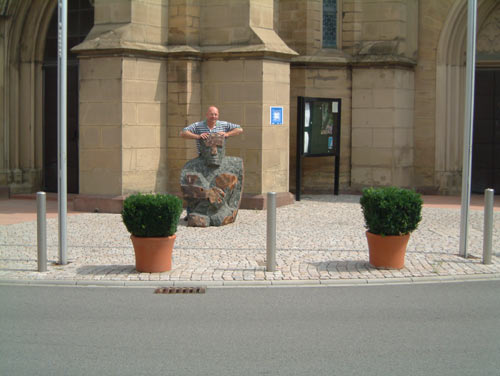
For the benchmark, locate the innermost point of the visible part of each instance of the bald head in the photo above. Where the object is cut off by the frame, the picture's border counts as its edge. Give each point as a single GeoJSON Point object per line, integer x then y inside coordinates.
{"type": "Point", "coordinates": [212, 116]}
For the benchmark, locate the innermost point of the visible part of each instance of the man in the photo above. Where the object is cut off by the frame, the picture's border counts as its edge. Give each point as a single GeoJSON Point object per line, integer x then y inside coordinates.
{"type": "Point", "coordinates": [202, 129]}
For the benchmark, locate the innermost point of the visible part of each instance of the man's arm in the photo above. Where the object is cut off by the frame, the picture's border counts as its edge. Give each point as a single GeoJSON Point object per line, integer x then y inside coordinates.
{"type": "Point", "coordinates": [190, 135]}
{"type": "Point", "coordinates": [234, 132]}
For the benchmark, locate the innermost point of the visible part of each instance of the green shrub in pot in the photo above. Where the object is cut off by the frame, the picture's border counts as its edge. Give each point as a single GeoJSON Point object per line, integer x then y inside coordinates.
{"type": "Point", "coordinates": [391, 210]}
{"type": "Point", "coordinates": [151, 215]}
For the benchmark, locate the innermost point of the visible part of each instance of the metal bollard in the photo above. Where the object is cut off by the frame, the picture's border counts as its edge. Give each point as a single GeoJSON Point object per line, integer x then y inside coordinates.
{"type": "Point", "coordinates": [271, 232]}
{"type": "Point", "coordinates": [488, 225]}
{"type": "Point", "coordinates": [41, 221]}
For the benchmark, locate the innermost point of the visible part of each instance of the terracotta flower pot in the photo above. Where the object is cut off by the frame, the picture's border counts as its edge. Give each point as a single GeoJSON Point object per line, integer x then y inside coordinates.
{"type": "Point", "coordinates": [387, 251]}
{"type": "Point", "coordinates": [153, 255]}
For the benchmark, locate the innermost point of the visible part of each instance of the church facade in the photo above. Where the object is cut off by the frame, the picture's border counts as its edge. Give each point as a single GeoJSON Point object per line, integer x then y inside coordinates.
{"type": "Point", "coordinates": [141, 70]}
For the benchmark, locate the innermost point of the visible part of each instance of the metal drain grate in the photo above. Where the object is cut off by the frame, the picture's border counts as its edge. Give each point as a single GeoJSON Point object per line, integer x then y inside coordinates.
{"type": "Point", "coordinates": [180, 290]}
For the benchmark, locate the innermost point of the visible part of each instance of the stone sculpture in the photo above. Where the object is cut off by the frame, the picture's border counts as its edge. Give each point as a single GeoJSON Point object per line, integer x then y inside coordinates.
{"type": "Point", "coordinates": [212, 184]}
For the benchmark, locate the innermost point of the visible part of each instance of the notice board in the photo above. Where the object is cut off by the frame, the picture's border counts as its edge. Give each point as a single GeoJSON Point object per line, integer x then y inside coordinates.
{"type": "Point", "coordinates": [318, 134]}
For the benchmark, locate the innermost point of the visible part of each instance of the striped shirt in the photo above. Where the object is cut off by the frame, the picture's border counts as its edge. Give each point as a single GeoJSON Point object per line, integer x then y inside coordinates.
{"type": "Point", "coordinates": [202, 127]}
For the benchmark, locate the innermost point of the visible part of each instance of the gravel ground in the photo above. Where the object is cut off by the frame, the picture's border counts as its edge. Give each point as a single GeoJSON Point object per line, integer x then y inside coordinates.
{"type": "Point", "coordinates": [319, 238]}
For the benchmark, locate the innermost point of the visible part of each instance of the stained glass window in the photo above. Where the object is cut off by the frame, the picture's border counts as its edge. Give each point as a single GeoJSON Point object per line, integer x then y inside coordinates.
{"type": "Point", "coordinates": [330, 23]}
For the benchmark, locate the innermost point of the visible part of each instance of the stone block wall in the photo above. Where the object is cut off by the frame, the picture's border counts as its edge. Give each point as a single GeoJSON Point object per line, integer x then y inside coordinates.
{"type": "Point", "coordinates": [382, 127]}
{"type": "Point", "coordinates": [304, 39]}
{"type": "Point", "coordinates": [123, 134]}
{"type": "Point", "coordinates": [243, 90]}
{"type": "Point", "coordinates": [184, 22]}
{"type": "Point", "coordinates": [380, 27]}
{"type": "Point", "coordinates": [143, 21]}
{"type": "Point", "coordinates": [144, 125]}
{"type": "Point", "coordinates": [100, 118]}
{"type": "Point", "coordinates": [184, 108]}
{"type": "Point", "coordinates": [224, 22]}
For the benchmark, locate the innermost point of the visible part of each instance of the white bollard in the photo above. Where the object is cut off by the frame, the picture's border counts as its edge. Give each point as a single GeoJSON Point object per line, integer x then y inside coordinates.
{"type": "Point", "coordinates": [271, 232]}
{"type": "Point", "coordinates": [41, 222]}
{"type": "Point", "coordinates": [488, 225]}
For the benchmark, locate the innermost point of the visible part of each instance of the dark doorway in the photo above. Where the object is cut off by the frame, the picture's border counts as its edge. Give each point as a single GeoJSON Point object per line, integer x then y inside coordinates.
{"type": "Point", "coordinates": [80, 21]}
{"type": "Point", "coordinates": [486, 138]}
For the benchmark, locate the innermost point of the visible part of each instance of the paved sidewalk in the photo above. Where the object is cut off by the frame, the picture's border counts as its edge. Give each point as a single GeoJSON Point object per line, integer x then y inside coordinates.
{"type": "Point", "coordinates": [320, 240]}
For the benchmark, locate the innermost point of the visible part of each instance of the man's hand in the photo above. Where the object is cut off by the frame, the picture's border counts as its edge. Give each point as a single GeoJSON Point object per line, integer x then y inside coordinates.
{"type": "Point", "coordinates": [204, 136]}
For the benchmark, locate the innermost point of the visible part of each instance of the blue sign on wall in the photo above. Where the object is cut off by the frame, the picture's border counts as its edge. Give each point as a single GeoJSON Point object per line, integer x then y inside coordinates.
{"type": "Point", "coordinates": [276, 115]}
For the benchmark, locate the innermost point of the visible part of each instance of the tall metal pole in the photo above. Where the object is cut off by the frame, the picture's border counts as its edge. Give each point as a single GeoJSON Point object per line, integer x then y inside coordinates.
{"type": "Point", "coordinates": [468, 125]}
{"type": "Point", "coordinates": [61, 126]}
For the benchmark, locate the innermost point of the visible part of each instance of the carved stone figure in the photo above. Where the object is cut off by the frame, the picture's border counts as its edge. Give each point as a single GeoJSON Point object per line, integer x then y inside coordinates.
{"type": "Point", "coordinates": [212, 184]}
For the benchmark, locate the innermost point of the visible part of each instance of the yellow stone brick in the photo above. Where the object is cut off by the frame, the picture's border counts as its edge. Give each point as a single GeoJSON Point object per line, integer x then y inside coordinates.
{"type": "Point", "coordinates": [210, 93]}
{"type": "Point", "coordinates": [382, 176]}
{"type": "Point", "coordinates": [144, 91]}
{"type": "Point", "coordinates": [404, 99]}
{"type": "Point", "coordinates": [384, 98]}
{"type": "Point", "coordinates": [275, 137]}
{"type": "Point", "coordinates": [372, 157]}
{"type": "Point", "coordinates": [373, 117]}
{"type": "Point", "coordinates": [139, 136]}
{"type": "Point", "coordinates": [90, 137]}
{"type": "Point", "coordinates": [224, 71]}
{"type": "Point", "coordinates": [129, 113]}
{"type": "Point", "coordinates": [238, 92]}
{"type": "Point", "coordinates": [253, 160]}
{"type": "Point", "coordinates": [139, 181]}
{"type": "Point", "coordinates": [91, 159]}
{"type": "Point", "coordinates": [362, 98]}
{"type": "Point", "coordinates": [253, 114]}
{"type": "Point", "coordinates": [100, 68]}
{"type": "Point", "coordinates": [140, 12]}
{"type": "Point", "coordinates": [403, 118]}
{"type": "Point", "coordinates": [362, 137]}
{"type": "Point", "coordinates": [253, 70]}
{"type": "Point", "coordinates": [129, 68]}
{"type": "Point", "coordinates": [111, 137]}
{"type": "Point", "coordinates": [151, 159]}
{"type": "Point", "coordinates": [120, 11]}
{"type": "Point", "coordinates": [373, 78]}
{"type": "Point", "coordinates": [403, 157]}
{"type": "Point", "coordinates": [253, 182]}
{"type": "Point", "coordinates": [101, 182]}
{"type": "Point", "coordinates": [151, 114]}
{"type": "Point", "coordinates": [271, 160]}
{"type": "Point", "coordinates": [100, 113]}
{"type": "Point", "coordinates": [151, 70]}
{"type": "Point", "coordinates": [403, 137]}
{"type": "Point", "coordinates": [100, 90]}
{"type": "Point", "coordinates": [233, 113]}
{"type": "Point", "coordinates": [361, 176]}
{"type": "Point", "coordinates": [402, 177]}
{"type": "Point", "coordinates": [269, 93]}
{"type": "Point", "coordinates": [383, 138]}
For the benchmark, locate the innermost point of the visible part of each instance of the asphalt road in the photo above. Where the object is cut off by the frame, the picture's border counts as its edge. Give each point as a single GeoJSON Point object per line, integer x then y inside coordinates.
{"type": "Point", "coordinates": [419, 329]}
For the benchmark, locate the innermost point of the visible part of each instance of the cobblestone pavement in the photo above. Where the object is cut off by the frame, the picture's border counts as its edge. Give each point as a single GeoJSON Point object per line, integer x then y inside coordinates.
{"type": "Point", "coordinates": [320, 240]}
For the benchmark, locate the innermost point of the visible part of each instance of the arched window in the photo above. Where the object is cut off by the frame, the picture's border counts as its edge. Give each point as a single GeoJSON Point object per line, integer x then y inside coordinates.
{"type": "Point", "coordinates": [330, 23]}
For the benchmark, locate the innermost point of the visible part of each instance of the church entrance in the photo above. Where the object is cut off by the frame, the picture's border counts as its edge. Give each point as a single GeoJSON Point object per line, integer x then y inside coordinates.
{"type": "Point", "coordinates": [486, 138]}
{"type": "Point", "coordinates": [80, 21]}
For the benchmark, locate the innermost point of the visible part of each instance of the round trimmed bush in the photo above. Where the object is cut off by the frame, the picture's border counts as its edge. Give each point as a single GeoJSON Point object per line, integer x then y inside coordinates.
{"type": "Point", "coordinates": [391, 210]}
{"type": "Point", "coordinates": [151, 215]}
